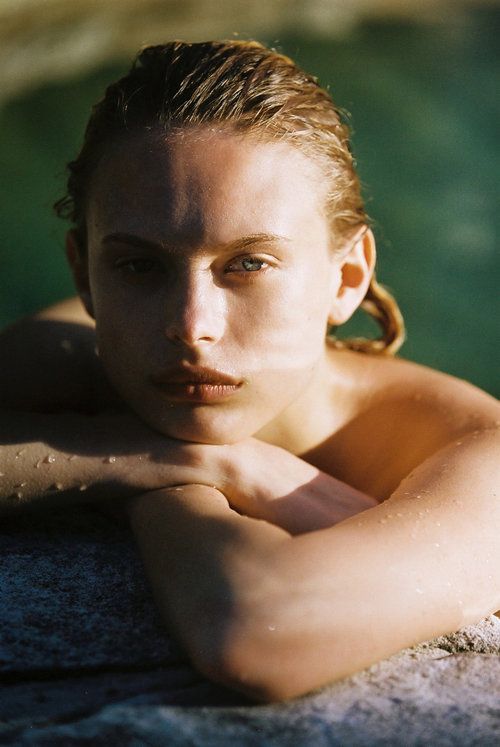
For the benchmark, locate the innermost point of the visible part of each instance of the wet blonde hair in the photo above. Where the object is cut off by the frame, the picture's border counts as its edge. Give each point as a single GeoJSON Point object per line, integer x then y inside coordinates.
{"type": "Point", "coordinates": [251, 89]}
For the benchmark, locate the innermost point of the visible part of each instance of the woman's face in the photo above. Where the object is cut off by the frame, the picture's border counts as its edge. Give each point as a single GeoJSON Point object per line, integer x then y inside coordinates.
{"type": "Point", "coordinates": [210, 278]}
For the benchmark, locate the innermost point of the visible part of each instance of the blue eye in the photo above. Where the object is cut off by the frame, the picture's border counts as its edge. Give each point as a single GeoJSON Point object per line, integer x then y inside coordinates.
{"type": "Point", "coordinates": [246, 265]}
{"type": "Point", "coordinates": [252, 265]}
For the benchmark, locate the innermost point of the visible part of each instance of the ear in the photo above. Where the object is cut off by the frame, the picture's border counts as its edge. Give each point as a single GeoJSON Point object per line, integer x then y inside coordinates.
{"type": "Point", "coordinates": [79, 267]}
{"type": "Point", "coordinates": [356, 270]}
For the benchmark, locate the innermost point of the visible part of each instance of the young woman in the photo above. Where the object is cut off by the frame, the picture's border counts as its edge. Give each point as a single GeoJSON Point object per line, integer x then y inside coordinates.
{"type": "Point", "coordinates": [304, 507]}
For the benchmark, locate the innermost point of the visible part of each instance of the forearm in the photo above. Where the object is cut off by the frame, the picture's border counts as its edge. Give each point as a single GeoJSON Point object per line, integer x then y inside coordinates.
{"type": "Point", "coordinates": [55, 459]}
{"type": "Point", "coordinates": [249, 614]}
{"type": "Point", "coordinates": [59, 459]}
{"type": "Point", "coordinates": [202, 558]}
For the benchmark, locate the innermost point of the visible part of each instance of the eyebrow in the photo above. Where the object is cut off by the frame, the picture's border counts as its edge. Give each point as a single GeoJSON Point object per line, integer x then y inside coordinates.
{"type": "Point", "coordinates": [238, 244]}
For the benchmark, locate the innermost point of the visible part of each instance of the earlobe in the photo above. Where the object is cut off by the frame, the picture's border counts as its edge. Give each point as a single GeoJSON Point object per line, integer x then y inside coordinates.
{"type": "Point", "coordinates": [79, 269]}
{"type": "Point", "coordinates": [356, 270]}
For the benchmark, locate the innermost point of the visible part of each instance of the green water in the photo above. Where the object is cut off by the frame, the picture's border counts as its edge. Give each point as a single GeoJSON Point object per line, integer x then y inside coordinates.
{"type": "Point", "coordinates": [425, 110]}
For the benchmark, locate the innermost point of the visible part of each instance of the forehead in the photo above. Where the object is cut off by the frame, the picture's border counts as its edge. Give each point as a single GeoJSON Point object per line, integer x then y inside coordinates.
{"type": "Point", "coordinates": [202, 186]}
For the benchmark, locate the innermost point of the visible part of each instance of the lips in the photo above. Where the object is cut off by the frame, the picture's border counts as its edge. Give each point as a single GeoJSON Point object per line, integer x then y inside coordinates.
{"type": "Point", "coordinates": [196, 384]}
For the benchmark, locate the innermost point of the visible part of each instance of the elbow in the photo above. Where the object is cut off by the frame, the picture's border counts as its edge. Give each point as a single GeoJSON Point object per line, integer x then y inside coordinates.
{"type": "Point", "coordinates": [250, 676]}
{"type": "Point", "coordinates": [259, 667]}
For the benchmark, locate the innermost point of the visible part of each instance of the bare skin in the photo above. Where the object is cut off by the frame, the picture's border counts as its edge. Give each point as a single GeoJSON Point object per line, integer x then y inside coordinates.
{"type": "Point", "coordinates": [336, 505]}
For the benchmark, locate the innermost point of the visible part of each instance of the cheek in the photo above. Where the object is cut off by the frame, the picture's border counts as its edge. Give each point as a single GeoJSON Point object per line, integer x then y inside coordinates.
{"type": "Point", "coordinates": [302, 304]}
{"type": "Point", "coordinates": [286, 329]}
{"type": "Point", "coordinates": [123, 319]}
{"type": "Point", "coordinates": [124, 340]}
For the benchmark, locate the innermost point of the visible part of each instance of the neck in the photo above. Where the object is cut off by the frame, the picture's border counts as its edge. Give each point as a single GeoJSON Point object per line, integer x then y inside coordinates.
{"type": "Point", "coordinates": [318, 412]}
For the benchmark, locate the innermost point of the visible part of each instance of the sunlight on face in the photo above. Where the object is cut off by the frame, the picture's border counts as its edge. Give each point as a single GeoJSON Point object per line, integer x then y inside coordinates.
{"type": "Point", "coordinates": [211, 279]}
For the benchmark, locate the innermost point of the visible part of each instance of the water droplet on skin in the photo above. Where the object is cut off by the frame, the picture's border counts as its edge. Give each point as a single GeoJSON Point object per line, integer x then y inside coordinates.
{"type": "Point", "coordinates": [436, 544]}
{"type": "Point", "coordinates": [438, 523]}
{"type": "Point", "coordinates": [272, 627]}
{"type": "Point", "coordinates": [460, 602]}
{"type": "Point", "coordinates": [38, 464]}
{"type": "Point", "coordinates": [382, 521]}
{"type": "Point", "coordinates": [110, 460]}
{"type": "Point", "coordinates": [72, 457]}
{"type": "Point", "coordinates": [20, 453]}
{"type": "Point", "coordinates": [2, 474]}
{"type": "Point", "coordinates": [458, 443]}
{"type": "Point", "coordinates": [19, 495]}
{"type": "Point", "coordinates": [59, 486]}
{"type": "Point", "coordinates": [83, 487]}
{"type": "Point", "coordinates": [49, 459]}
{"type": "Point", "coordinates": [399, 514]}
{"type": "Point", "coordinates": [67, 346]}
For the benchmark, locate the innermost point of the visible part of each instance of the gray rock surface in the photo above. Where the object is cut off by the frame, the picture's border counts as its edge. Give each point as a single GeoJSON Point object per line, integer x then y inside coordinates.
{"type": "Point", "coordinates": [84, 660]}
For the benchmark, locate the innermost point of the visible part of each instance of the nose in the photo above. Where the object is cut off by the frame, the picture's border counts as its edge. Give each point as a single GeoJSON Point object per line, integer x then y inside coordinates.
{"type": "Point", "coordinates": [196, 311]}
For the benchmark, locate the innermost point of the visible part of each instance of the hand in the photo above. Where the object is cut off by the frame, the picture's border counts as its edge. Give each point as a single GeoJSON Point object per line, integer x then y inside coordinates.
{"type": "Point", "coordinates": [267, 482]}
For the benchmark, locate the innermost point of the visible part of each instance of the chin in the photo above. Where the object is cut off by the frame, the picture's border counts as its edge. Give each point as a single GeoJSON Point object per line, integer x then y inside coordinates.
{"type": "Point", "coordinates": [202, 428]}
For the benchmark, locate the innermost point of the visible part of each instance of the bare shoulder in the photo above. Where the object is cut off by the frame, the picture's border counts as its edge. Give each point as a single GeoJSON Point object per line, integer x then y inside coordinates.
{"type": "Point", "coordinates": [69, 310]}
{"type": "Point", "coordinates": [50, 362]}
{"type": "Point", "coordinates": [402, 413]}
{"type": "Point", "coordinates": [457, 405]}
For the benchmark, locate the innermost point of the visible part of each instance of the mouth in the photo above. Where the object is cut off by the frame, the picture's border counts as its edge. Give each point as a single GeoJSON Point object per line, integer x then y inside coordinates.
{"type": "Point", "coordinates": [196, 384]}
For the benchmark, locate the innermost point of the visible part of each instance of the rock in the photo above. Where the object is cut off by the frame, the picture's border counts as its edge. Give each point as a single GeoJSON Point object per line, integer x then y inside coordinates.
{"type": "Point", "coordinates": [84, 659]}
{"type": "Point", "coordinates": [68, 38]}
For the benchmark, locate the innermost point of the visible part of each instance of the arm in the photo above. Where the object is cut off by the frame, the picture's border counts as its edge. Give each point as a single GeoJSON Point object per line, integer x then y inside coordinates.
{"type": "Point", "coordinates": [57, 459]}
{"type": "Point", "coordinates": [267, 482]}
{"type": "Point", "coordinates": [276, 616]}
